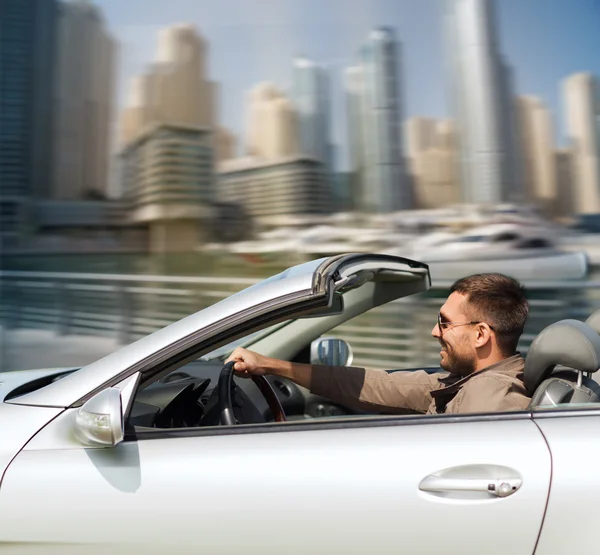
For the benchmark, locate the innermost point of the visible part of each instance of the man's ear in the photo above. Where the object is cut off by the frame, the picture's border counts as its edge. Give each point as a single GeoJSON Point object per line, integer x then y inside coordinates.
{"type": "Point", "coordinates": [483, 335]}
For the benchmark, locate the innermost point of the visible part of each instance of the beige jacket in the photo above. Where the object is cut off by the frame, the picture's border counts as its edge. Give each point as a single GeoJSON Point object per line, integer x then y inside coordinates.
{"type": "Point", "coordinates": [497, 388]}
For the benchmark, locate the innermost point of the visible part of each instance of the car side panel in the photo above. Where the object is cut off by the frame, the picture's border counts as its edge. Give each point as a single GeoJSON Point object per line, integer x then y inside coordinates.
{"type": "Point", "coordinates": [344, 488]}
{"type": "Point", "coordinates": [571, 521]}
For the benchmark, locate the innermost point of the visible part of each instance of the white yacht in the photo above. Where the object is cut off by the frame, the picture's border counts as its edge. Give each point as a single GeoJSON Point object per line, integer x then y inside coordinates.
{"type": "Point", "coordinates": [528, 252]}
{"type": "Point", "coordinates": [525, 252]}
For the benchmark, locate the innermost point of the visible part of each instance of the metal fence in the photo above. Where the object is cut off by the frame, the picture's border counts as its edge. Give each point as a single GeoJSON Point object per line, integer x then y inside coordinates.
{"type": "Point", "coordinates": [127, 307]}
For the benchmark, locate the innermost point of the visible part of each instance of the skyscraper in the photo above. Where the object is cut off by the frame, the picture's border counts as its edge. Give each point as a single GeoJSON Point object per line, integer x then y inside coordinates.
{"type": "Point", "coordinates": [514, 190]}
{"type": "Point", "coordinates": [431, 150]}
{"type": "Point", "coordinates": [480, 92]}
{"type": "Point", "coordinates": [353, 84]}
{"type": "Point", "coordinates": [272, 122]}
{"type": "Point", "coordinates": [175, 88]}
{"type": "Point", "coordinates": [383, 183]}
{"type": "Point", "coordinates": [225, 144]}
{"type": "Point", "coordinates": [186, 95]}
{"type": "Point", "coordinates": [420, 135]}
{"type": "Point", "coordinates": [281, 129]}
{"type": "Point", "coordinates": [564, 182]}
{"type": "Point", "coordinates": [27, 28]}
{"type": "Point", "coordinates": [83, 102]}
{"type": "Point", "coordinates": [581, 106]}
{"type": "Point", "coordinates": [538, 158]}
{"type": "Point", "coordinates": [168, 142]}
{"type": "Point", "coordinates": [311, 97]}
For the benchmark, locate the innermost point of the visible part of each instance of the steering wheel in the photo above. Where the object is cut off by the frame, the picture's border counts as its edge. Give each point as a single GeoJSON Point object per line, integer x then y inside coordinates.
{"type": "Point", "coordinates": [225, 385]}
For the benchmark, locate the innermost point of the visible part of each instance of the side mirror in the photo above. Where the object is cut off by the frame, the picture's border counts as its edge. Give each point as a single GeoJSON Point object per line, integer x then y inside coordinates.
{"type": "Point", "coordinates": [99, 422]}
{"type": "Point", "coordinates": [330, 351]}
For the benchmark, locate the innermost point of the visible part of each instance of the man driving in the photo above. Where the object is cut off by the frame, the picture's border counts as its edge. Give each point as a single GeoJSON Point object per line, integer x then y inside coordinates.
{"type": "Point", "coordinates": [478, 328]}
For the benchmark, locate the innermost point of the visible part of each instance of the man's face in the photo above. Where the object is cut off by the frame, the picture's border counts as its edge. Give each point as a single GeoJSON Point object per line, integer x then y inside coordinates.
{"type": "Point", "coordinates": [457, 338]}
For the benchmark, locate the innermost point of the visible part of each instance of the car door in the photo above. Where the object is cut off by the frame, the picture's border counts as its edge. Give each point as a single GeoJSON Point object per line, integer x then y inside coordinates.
{"type": "Point", "coordinates": [416, 485]}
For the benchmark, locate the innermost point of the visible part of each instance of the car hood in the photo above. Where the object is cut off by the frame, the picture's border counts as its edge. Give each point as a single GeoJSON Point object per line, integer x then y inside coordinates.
{"type": "Point", "coordinates": [22, 381]}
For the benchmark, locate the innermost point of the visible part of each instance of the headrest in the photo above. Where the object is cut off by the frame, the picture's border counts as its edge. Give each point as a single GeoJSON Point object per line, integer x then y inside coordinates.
{"type": "Point", "coordinates": [570, 343]}
{"type": "Point", "coordinates": [594, 321]}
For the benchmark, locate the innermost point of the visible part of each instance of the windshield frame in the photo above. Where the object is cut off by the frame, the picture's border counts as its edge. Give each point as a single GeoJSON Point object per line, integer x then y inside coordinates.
{"type": "Point", "coordinates": [224, 351]}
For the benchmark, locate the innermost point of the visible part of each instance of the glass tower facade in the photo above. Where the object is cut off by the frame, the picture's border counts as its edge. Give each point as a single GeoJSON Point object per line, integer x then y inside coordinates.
{"type": "Point", "coordinates": [27, 37]}
{"type": "Point", "coordinates": [311, 98]}
{"type": "Point", "coordinates": [384, 187]}
{"type": "Point", "coordinates": [481, 92]}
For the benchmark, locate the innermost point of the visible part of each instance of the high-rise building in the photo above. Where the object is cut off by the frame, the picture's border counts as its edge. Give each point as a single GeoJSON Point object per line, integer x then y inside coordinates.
{"type": "Point", "coordinates": [341, 192]}
{"type": "Point", "coordinates": [514, 189]}
{"type": "Point", "coordinates": [581, 106]}
{"type": "Point", "coordinates": [275, 192]}
{"type": "Point", "coordinates": [383, 186]}
{"type": "Point", "coordinates": [538, 158]}
{"type": "Point", "coordinates": [564, 182]}
{"type": "Point", "coordinates": [481, 84]}
{"type": "Point", "coordinates": [445, 135]}
{"type": "Point", "coordinates": [168, 142]}
{"type": "Point", "coordinates": [28, 29]}
{"type": "Point", "coordinates": [420, 135]}
{"type": "Point", "coordinates": [353, 84]}
{"type": "Point", "coordinates": [187, 96]}
{"type": "Point", "coordinates": [225, 145]}
{"type": "Point", "coordinates": [167, 182]}
{"type": "Point", "coordinates": [83, 102]}
{"type": "Point", "coordinates": [272, 124]}
{"type": "Point", "coordinates": [257, 102]}
{"type": "Point", "coordinates": [281, 129]}
{"type": "Point", "coordinates": [432, 162]}
{"type": "Point", "coordinates": [310, 94]}
{"type": "Point", "coordinates": [175, 89]}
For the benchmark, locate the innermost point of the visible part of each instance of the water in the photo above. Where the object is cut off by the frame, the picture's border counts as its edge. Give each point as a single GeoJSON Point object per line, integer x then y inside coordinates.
{"type": "Point", "coordinates": [179, 264]}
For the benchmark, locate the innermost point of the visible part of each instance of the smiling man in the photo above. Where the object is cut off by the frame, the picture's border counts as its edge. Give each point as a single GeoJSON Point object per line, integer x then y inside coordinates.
{"type": "Point", "coordinates": [478, 328]}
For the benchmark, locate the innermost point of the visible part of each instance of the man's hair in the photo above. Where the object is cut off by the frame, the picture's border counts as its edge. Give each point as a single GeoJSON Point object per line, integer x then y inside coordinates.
{"type": "Point", "coordinates": [500, 302]}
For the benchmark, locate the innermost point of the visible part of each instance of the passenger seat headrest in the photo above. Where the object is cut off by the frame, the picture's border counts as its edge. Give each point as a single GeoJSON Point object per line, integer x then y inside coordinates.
{"type": "Point", "coordinates": [594, 321]}
{"type": "Point", "coordinates": [570, 343]}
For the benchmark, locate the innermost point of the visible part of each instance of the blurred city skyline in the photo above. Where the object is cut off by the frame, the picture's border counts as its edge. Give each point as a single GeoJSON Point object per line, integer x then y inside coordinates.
{"type": "Point", "coordinates": [232, 138]}
{"type": "Point", "coordinates": [241, 53]}
{"type": "Point", "coordinates": [141, 124]}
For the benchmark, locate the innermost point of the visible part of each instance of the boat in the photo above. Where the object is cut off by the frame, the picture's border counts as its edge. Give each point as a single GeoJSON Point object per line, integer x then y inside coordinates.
{"type": "Point", "coordinates": [525, 252]}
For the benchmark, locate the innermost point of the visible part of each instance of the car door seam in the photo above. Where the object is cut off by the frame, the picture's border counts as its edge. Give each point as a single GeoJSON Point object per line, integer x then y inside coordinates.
{"type": "Point", "coordinates": [549, 486]}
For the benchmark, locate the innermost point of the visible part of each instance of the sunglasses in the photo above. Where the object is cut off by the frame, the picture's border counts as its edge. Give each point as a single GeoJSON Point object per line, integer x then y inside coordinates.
{"type": "Point", "coordinates": [446, 325]}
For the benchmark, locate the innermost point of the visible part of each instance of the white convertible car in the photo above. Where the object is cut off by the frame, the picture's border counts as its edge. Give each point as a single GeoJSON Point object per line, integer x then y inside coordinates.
{"type": "Point", "coordinates": [157, 449]}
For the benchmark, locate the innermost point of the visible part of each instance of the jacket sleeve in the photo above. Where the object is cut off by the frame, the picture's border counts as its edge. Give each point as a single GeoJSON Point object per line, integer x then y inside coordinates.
{"type": "Point", "coordinates": [364, 389]}
{"type": "Point", "coordinates": [490, 394]}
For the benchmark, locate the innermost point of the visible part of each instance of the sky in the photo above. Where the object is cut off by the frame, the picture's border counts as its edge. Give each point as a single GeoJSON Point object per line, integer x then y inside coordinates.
{"type": "Point", "coordinates": [255, 40]}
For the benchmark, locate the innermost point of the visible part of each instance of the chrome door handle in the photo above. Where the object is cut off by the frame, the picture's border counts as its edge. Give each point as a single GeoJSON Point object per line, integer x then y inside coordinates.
{"type": "Point", "coordinates": [499, 488]}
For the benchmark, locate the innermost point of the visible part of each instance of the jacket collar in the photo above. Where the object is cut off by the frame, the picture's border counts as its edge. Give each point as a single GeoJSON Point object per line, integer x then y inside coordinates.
{"type": "Point", "coordinates": [511, 366]}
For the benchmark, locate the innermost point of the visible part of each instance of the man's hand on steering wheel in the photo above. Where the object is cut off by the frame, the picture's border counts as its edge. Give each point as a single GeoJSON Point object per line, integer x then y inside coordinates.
{"type": "Point", "coordinates": [225, 389]}
{"type": "Point", "coordinates": [248, 363]}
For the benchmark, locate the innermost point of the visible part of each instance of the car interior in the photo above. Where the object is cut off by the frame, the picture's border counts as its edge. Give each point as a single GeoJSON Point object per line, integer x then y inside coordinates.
{"type": "Point", "coordinates": [559, 372]}
{"type": "Point", "coordinates": [559, 367]}
{"type": "Point", "coordinates": [187, 396]}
